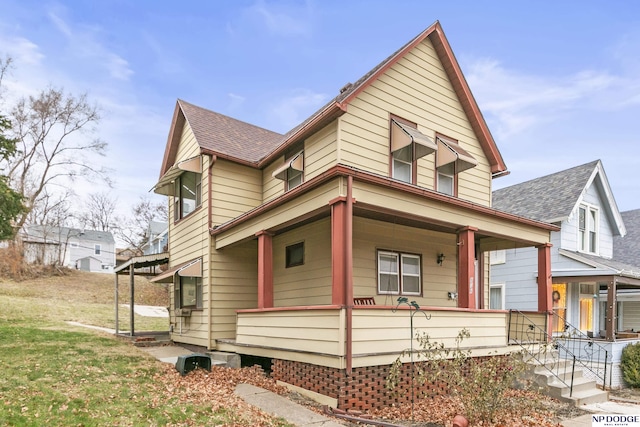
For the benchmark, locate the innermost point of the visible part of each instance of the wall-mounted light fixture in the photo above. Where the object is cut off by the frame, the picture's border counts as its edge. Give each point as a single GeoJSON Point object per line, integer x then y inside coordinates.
{"type": "Point", "coordinates": [440, 259]}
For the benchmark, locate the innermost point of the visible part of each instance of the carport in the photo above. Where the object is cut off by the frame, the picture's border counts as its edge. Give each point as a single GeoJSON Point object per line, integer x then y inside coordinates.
{"type": "Point", "coordinates": [129, 267]}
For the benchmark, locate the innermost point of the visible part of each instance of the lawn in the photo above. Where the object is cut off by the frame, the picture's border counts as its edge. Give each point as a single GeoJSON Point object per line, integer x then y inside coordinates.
{"type": "Point", "coordinates": [55, 374]}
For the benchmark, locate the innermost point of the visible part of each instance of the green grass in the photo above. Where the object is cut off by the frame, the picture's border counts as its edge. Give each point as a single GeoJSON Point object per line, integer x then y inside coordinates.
{"type": "Point", "coordinates": [54, 374]}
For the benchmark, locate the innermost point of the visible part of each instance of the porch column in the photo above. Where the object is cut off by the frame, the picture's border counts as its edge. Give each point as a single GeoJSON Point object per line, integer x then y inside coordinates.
{"type": "Point", "coordinates": [338, 251]}
{"type": "Point", "coordinates": [545, 305]}
{"type": "Point", "coordinates": [265, 269]}
{"type": "Point", "coordinates": [610, 321]}
{"type": "Point", "coordinates": [466, 267]}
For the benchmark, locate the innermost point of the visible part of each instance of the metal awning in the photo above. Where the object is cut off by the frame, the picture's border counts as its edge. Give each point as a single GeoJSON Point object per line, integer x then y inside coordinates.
{"type": "Point", "coordinates": [165, 184]}
{"type": "Point", "coordinates": [296, 162]}
{"type": "Point", "coordinates": [191, 268]}
{"type": "Point", "coordinates": [403, 135]}
{"type": "Point", "coordinates": [449, 151]}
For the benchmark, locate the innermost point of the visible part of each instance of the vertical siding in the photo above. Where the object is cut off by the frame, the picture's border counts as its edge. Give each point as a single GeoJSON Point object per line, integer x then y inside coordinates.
{"type": "Point", "coordinates": [417, 89]}
{"type": "Point", "coordinates": [370, 235]}
{"type": "Point", "coordinates": [236, 189]}
{"type": "Point", "coordinates": [310, 283]}
{"type": "Point", "coordinates": [234, 279]}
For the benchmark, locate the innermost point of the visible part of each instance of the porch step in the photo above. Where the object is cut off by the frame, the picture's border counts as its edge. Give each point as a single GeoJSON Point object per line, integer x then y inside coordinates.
{"type": "Point", "coordinates": [585, 390]}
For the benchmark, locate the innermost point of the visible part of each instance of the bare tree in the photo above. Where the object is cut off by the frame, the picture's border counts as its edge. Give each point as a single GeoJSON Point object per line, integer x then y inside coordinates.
{"type": "Point", "coordinates": [55, 141]}
{"type": "Point", "coordinates": [52, 210]}
{"type": "Point", "coordinates": [134, 229]}
{"type": "Point", "coordinates": [99, 213]}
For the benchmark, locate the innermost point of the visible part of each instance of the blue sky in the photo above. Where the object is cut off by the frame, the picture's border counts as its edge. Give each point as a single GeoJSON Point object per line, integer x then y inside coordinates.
{"type": "Point", "coordinates": [557, 81]}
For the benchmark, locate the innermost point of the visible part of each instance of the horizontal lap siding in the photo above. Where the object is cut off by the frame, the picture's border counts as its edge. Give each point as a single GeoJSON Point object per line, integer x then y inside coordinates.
{"type": "Point", "coordinates": [236, 189]}
{"type": "Point", "coordinates": [189, 239]}
{"type": "Point", "coordinates": [317, 198]}
{"type": "Point", "coordinates": [234, 276]}
{"type": "Point", "coordinates": [417, 89]}
{"type": "Point", "coordinates": [310, 283]}
{"type": "Point", "coordinates": [379, 196]}
{"type": "Point", "coordinates": [370, 235]}
{"type": "Point", "coordinates": [378, 331]}
{"type": "Point", "coordinates": [316, 331]}
{"type": "Point", "coordinates": [320, 151]}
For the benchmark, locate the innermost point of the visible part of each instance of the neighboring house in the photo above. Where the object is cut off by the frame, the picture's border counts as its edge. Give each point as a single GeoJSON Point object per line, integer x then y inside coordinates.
{"type": "Point", "coordinates": [385, 192]}
{"type": "Point", "coordinates": [585, 268]}
{"type": "Point", "coordinates": [626, 251]}
{"type": "Point", "coordinates": [157, 238]}
{"type": "Point", "coordinates": [88, 250]}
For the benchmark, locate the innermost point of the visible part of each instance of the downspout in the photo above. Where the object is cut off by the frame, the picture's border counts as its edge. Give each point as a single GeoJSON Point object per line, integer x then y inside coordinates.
{"type": "Point", "coordinates": [212, 161]}
{"type": "Point", "coordinates": [349, 273]}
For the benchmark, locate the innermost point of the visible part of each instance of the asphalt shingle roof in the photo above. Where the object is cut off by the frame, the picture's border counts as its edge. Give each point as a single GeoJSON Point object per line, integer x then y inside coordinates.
{"type": "Point", "coordinates": [550, 198]}
{"type": "Point", "coordinates": [627, 249]}
{"type": "Point", "coordinates": [229, 136]}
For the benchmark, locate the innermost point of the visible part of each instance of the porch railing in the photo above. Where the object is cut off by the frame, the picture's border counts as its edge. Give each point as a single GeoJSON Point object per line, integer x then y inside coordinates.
{"type": "Point", "coordinates": [561, 352]}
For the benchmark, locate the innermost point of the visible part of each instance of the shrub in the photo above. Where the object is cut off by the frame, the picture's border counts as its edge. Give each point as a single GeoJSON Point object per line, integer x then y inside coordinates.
{"type": "Point", "coordinates": [480, 383]}
{"type": "Point", "coordinates": [630, 364]}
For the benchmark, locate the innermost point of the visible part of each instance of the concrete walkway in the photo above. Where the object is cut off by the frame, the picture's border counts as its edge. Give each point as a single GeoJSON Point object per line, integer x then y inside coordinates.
{"type": "Point", "coordinates": [282, 407]}
{"type": "Point", "coordinates": [609, 408]}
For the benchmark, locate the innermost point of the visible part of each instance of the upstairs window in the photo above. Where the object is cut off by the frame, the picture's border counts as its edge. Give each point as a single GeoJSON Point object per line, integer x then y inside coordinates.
{"type": "Point", "coordinates": [187, 194]}
{"type": "Point", "coordinates": [399, 273]}
{"type": "Point", "coordinates": [587, 229]}
{"type": "Point", "coordinates": [97, 249]}
{"type": "Point", "coordinates": [451, 159]}
{"type": "Point", "coordinates": [292, 171]}
{"type": "Point", "coordinates": [408, 144]}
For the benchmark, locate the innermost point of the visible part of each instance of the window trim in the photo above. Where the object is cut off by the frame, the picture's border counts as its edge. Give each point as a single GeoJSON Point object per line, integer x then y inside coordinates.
{"type": "Point", "coordinates": [178, 293]}
{"type": "Point", "coordinates": [584, 241]}
{"type": "Point", "coordinates": [178, 203]}
{"type": "Point", "coordinates": [502, 295]}
{"type": "Point", "coordinates": [414, 161]}
{"type": "Point", "coordinates": [288, 262]}
{"type": "Point", "coordinates": [399, 257]}
{"type": "Point", "coordinates": [97, 249]}
{"type": "Point", "coordinates": [497, 257]}
{"type": "Point", "coordinates": [444, 139]}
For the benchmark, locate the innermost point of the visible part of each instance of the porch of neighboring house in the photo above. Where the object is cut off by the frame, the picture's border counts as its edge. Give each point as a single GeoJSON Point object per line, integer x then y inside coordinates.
{"type": "Point", "coordinates": [306, 320]}
{"type": "Point", "coordinates": [146, 265]}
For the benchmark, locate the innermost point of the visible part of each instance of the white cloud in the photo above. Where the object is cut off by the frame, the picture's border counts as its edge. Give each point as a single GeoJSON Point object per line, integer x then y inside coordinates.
{"type": "Point", "coordinates": [293, 109]}
{"type": "Point", "coordinates": [282, 20]}
{"type": "Point", "coordinates": [22, 50]}
{"type": "Point", "coordinates": [84, 43]}
{"type": "Point", "coordinates": [517, 101]}
{"type": "Point", "coordinates": [236, 101]}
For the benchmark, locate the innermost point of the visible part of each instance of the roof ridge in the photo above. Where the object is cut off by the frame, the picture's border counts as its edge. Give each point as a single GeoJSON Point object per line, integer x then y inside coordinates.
{"type": "Point", "coordinates": [553, 174]}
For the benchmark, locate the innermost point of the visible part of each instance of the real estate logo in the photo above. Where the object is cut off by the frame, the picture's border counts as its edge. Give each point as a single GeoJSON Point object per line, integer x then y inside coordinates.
{"type": "Point", "coordinates": [615, 420]}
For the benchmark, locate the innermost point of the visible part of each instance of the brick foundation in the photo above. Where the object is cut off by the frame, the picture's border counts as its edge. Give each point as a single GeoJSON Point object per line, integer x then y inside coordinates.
{"type": "Point", "coordinates": [363, 390]}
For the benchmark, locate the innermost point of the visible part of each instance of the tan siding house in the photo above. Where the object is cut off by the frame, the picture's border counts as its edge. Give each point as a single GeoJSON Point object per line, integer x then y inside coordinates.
{"type": "Point", "coordinates": [382, 194]}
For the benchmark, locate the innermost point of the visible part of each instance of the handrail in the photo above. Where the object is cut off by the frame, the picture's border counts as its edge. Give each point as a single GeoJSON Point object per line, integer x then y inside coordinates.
{"type": "Point", "coordinates": [560, 353]}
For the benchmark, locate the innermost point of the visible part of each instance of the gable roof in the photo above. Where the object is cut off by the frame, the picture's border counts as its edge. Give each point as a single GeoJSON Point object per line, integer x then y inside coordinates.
{"type": "Point", "coordinates": [599, 263]}
{"type": "Point", "coordinates": [552, 198]}
{"type": "Point", "coordinates": [626, 248]}
{"type": "Point", "coordinates": [51, 234]}
{"type": "Point", "coordinates": [233, 139]}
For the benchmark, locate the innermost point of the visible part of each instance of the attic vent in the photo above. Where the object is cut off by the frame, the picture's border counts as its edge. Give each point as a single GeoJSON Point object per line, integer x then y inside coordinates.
{"type": "Point", "coordinates": [346, 87]}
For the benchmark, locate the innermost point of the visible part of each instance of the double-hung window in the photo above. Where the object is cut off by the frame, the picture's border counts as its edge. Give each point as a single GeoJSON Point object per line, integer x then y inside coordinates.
{"type": "Point", "coordinates": [399, 273]}
{"type": "Point", "coordinates": [496, 296]}
{"type": "Point", "coordinates": [408, 144]}
{"type": "Point", "coordinates": [292, 171]}
{"type": "Point", "coordinates": [451, 159]}
{"type": "Point", "coordinates": [187, 194]}
{"type": "Point", "coordinates": [588, 229]}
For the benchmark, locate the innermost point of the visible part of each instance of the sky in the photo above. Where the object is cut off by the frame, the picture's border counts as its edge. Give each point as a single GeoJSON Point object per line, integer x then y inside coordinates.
{"type": "Point", "coordinates": [558, 82]}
